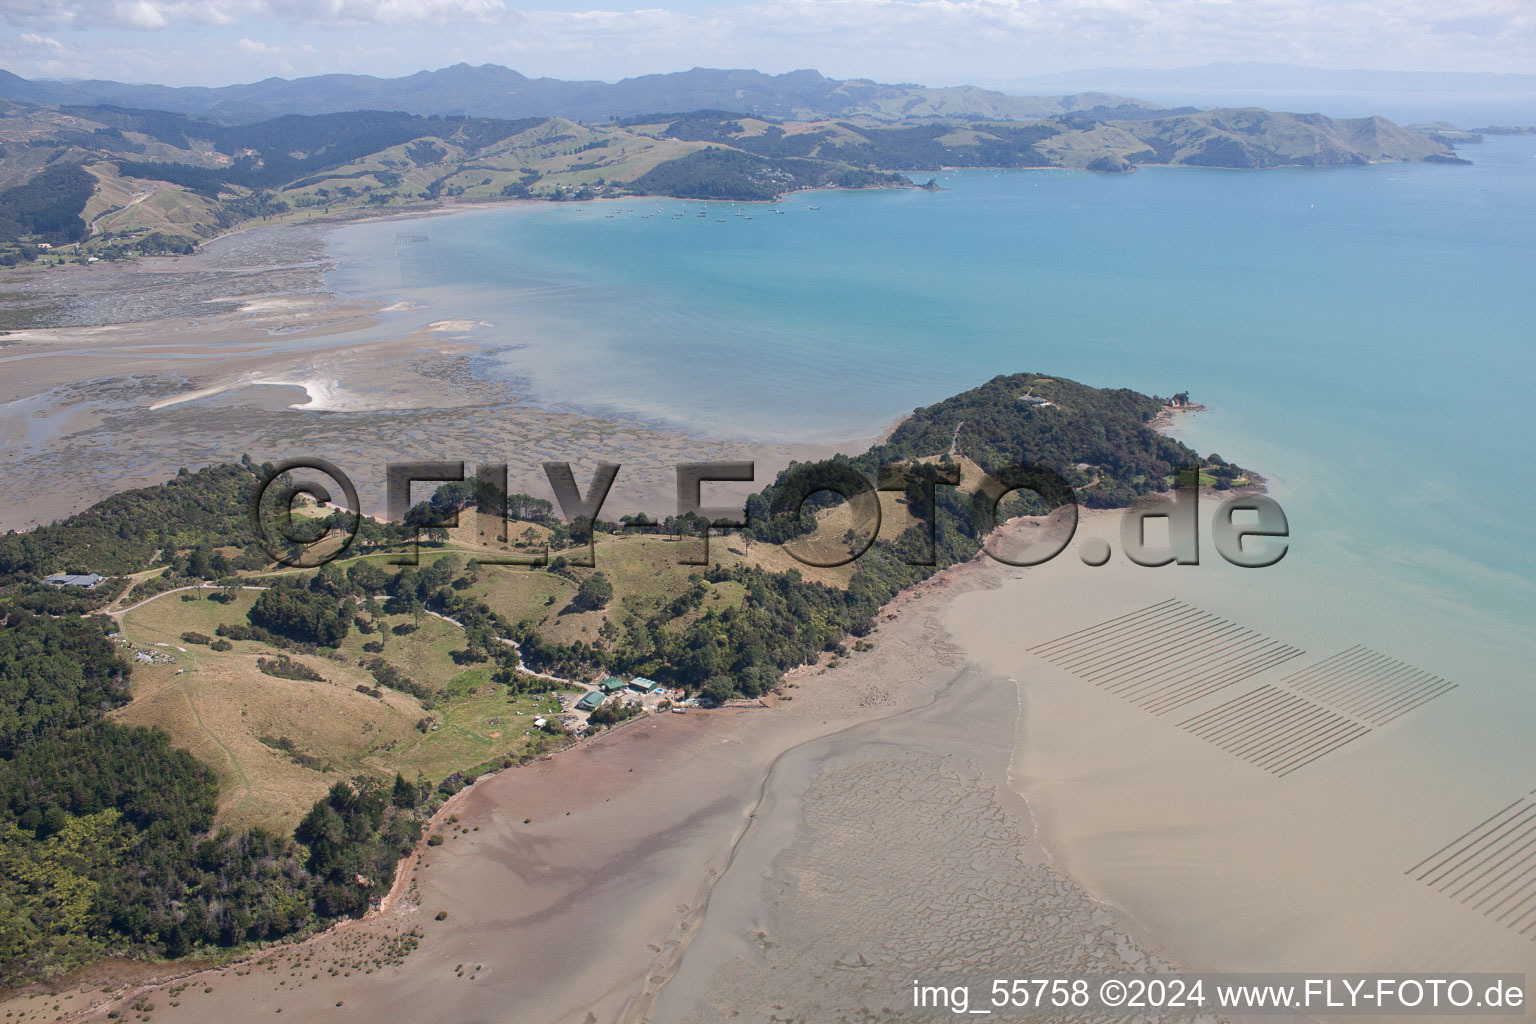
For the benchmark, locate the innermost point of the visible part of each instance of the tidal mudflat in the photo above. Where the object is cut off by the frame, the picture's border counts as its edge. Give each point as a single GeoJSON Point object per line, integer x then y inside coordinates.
{"type": "Point", "coordinates": [239, 350]}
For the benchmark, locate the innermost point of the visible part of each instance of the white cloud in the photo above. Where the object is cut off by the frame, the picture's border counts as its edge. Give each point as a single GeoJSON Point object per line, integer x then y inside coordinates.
{"type": "Point", "coordinates": [140, 14]}
{"type": "Point", "coordinates": [37, 40]}
{"type": "Point", "coordinates": [152, 14]}
{"type": "Point", "coordinates": [252, 46]}
{"type": "Point", "coordinates": [962, 39]}
{"type": "Point", "coordinates": [931, 41]}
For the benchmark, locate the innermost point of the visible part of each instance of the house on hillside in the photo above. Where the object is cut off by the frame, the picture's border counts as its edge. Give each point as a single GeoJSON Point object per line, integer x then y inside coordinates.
{"type": "Point", "coordinates": [87, 581]}
{"type": "Point", "coordinates": [640, 684]}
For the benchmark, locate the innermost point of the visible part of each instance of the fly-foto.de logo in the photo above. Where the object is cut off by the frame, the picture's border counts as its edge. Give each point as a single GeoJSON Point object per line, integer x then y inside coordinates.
{"type": "Point", "coordinates": [1248, 530]}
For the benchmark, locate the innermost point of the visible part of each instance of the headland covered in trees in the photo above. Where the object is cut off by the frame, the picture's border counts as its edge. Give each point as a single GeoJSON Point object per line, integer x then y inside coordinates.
{"type": "Point", "coordinates": [118, 841]}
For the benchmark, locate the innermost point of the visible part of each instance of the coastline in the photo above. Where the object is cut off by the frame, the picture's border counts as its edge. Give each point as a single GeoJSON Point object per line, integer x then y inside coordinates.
{"type": "Point", "coordinates": [580, 882]}
{"type": "Point", "coordinates": [1169, 868]}
{"type": "Point", "coordinates": [277, 316]}
{"type": "Point", "coordinates": [577, 883]}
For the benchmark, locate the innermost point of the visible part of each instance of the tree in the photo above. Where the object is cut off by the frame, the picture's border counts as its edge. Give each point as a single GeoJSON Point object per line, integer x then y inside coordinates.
{"type": "Point", "coordinates": [200, 563]}
{"type": "Point", "coordinates": [595, 592]}
{"type": "Point", "coordinates": [718, 689]}
{"type": "Point", "coordinates": [367, 577]}
{"type": "Point", "coordinates": [301, 615]}
{"type": "Point", "coordinates": [404, 794]}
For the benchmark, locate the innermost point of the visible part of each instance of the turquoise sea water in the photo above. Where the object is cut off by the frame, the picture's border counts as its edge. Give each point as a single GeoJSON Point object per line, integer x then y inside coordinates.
{"type": "Point", "coordinates": [1362, 336]}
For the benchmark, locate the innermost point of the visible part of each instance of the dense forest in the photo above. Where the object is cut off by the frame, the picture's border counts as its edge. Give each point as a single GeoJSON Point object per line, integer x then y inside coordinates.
{"type": "Point", "coordinates": [47, 206]}
{"type": "Point", "coordinates": [123, 533]}
{"type": "Point", "coordinates": [302, 615]}
{"type": "Point", "coordinates": [105, 841]}
{"type": "Point", "coordinates": [1031, 419]}
{"type": "Point", "coordinates": [176, 524]}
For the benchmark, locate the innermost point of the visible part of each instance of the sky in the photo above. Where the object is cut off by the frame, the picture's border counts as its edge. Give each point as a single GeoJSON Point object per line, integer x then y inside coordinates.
{"type": "Point", "coordinates": [931, 42]}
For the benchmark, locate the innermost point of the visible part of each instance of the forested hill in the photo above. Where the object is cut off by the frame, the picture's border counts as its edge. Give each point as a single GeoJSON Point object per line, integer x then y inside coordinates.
{"type": "Point", "coordinates": [110, 181]}
{"type": "Point", "coordinates": [1103, 441]}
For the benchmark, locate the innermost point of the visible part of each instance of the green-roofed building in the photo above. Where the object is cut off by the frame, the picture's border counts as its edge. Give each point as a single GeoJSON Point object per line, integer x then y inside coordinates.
{"type": "Point", "coordinates": [640, 684]}
{"type": "Point", "coordinates": [611, 684]}
{"type": "Point", "coordinates": [591, 701]}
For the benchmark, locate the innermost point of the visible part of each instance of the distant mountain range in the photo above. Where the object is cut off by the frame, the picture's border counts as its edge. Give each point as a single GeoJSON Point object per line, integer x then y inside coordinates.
{"type": "Point", "coordinates": [491, 90]}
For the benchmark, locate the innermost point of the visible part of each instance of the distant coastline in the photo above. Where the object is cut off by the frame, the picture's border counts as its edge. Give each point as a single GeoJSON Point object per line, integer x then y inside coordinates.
{"type": "Point", "coordinates": [118, 183]}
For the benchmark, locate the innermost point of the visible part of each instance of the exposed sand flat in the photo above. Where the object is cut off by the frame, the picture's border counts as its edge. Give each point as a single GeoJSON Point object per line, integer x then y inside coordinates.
{"type": "Point", "coordinates": [192, 396]}
{"type": "Point", "coordinates": [170, 363]}
{"type": "Point", "coordinates": [1274, 824]}
{"type": "Point", "coordinates": [891, 851]}
{"type": "Point", "coordinates": [324, 395]}
{"type": "Point", "coordinates": [460, 325]}
{"type": "Point", "coordinates": [860, 832]}
{"type": "Point", "coordinates": [45, 335]}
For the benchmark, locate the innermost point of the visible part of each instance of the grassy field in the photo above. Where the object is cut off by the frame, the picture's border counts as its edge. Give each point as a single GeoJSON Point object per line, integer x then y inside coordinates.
{"type": "Point", "coordinates": [423, 654]}
{"type": "Point", "coordinates": [644, 570]}
{"type": "Point", "coordinates": [279, 744]}
{"type": "Point", "coordinates": [221, 707]}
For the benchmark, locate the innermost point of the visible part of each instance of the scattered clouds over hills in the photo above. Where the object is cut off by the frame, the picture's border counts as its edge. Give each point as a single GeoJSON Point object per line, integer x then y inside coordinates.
{"type": "Point", "coordinates": [928, 41]}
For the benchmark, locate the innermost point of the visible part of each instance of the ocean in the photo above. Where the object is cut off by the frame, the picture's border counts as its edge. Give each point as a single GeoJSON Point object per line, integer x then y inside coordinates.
{"type": "Point", "coordinates": [1361, 336]}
